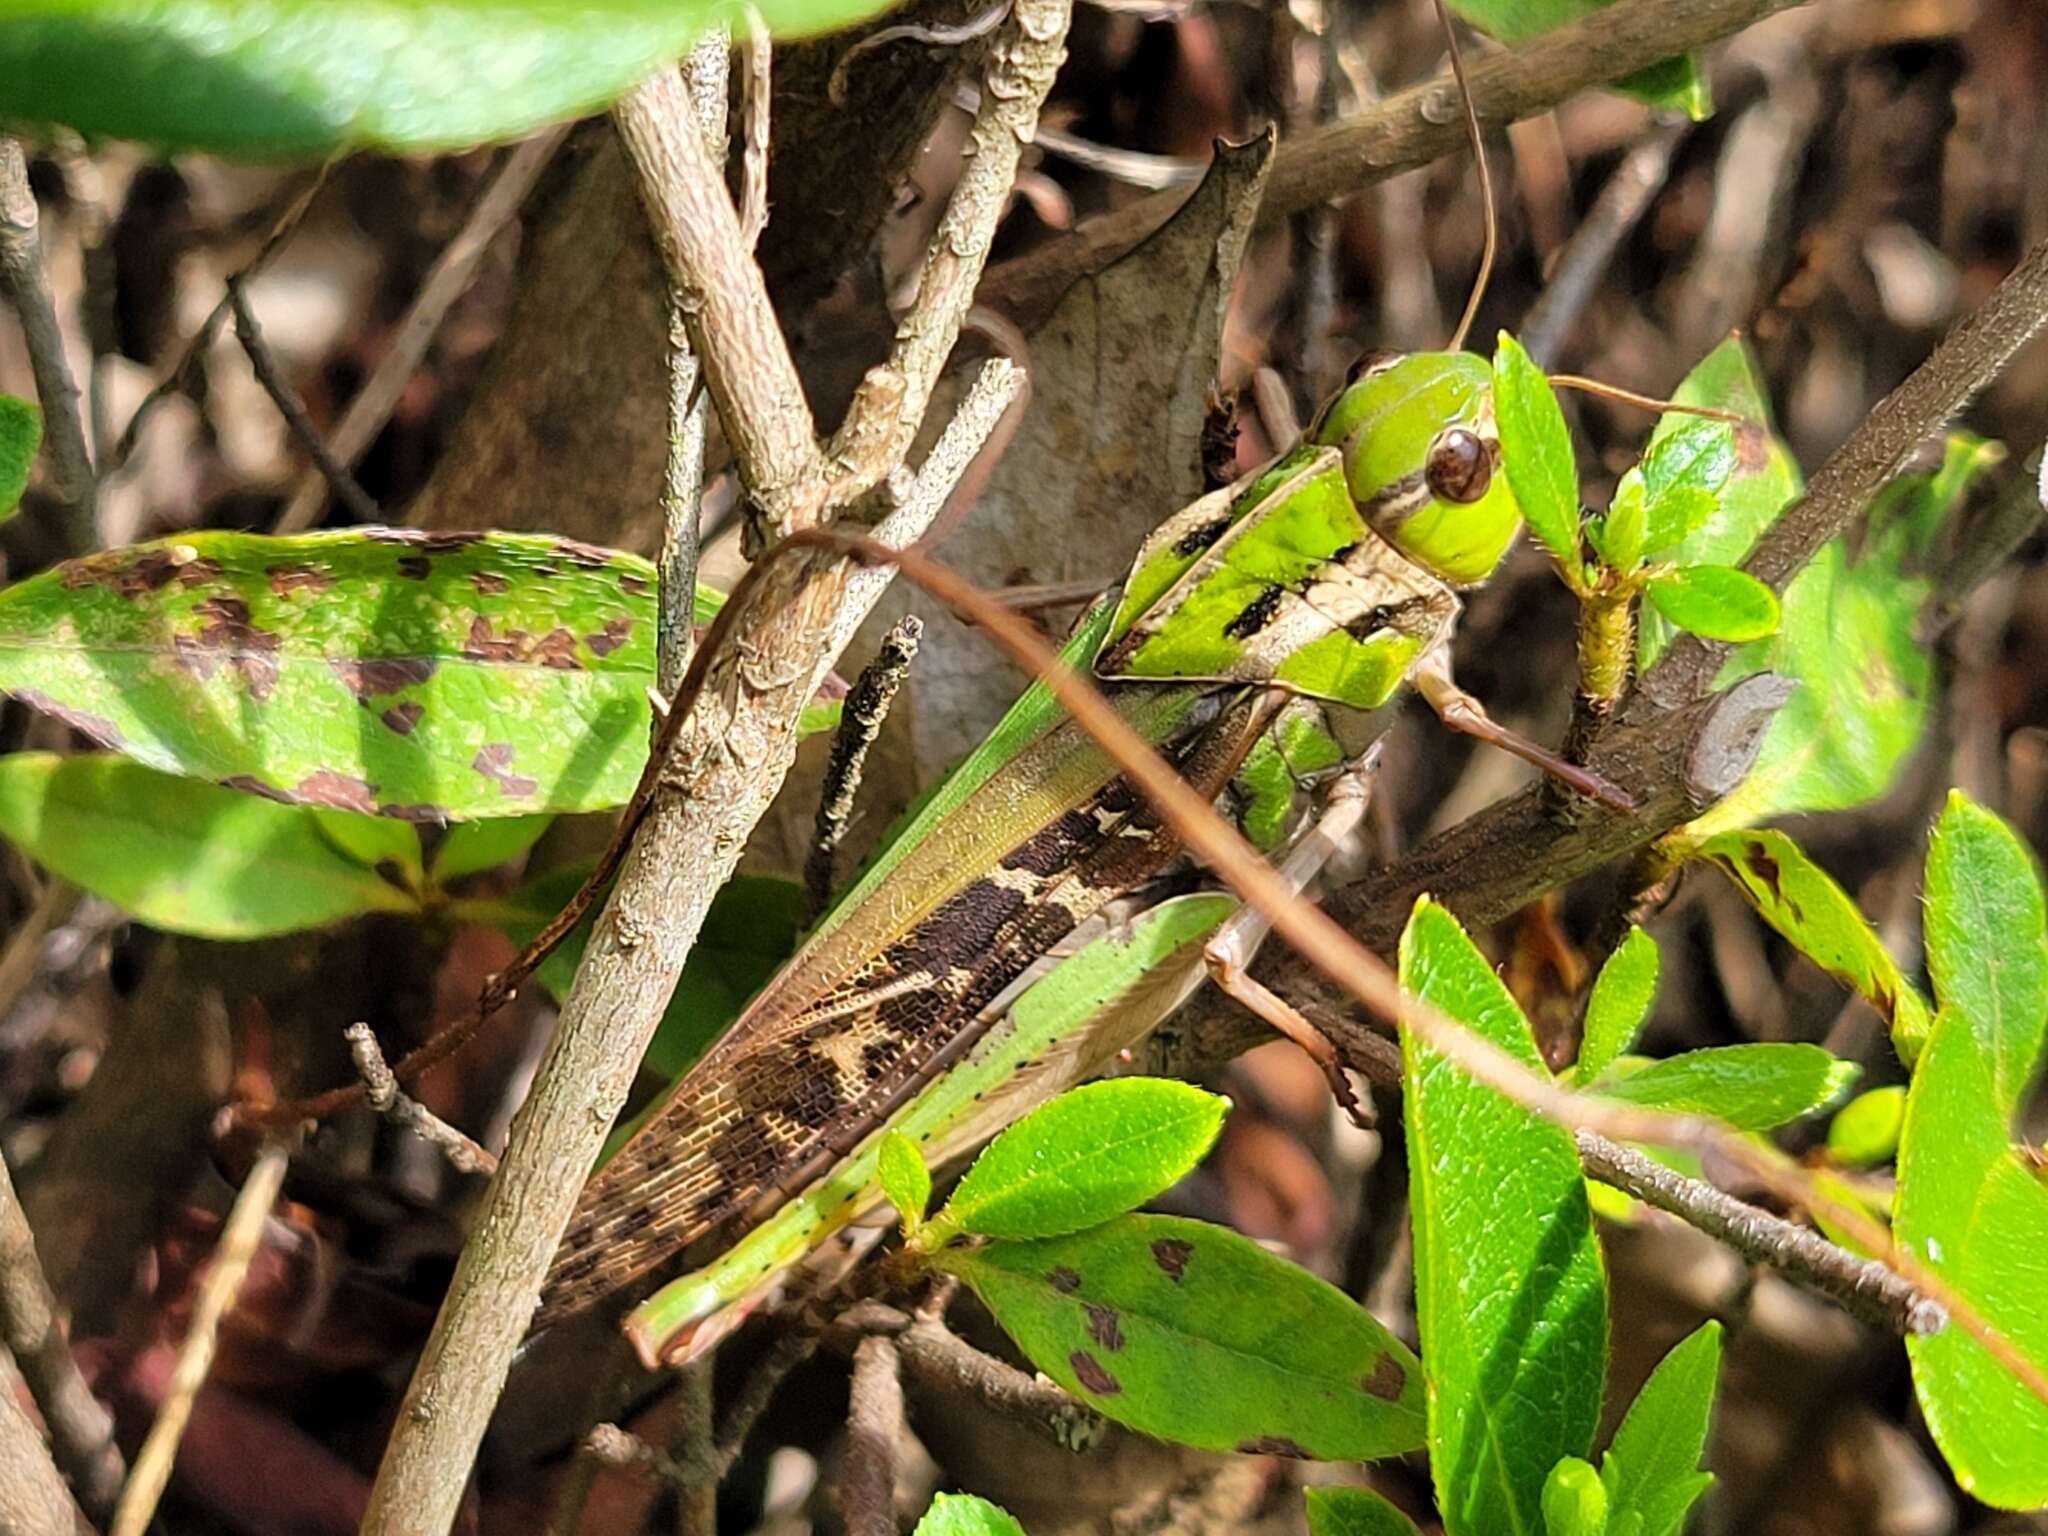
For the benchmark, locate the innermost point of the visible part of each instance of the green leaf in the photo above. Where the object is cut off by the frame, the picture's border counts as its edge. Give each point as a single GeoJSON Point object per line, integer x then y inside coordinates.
{"type": "Point", "coordinates": [1752, 1087]}
{"type": "Point", "coordinates": [1618, 537]}
{"type": "Point", "coordinates": [1851, 636]}
{"type": "Point", "coordinates": [271, 78]}
{"type": "Point", "coordinates": [471, 847]}
{"type": "Point", "coordinates": [1651, 1471]}
{"type": "Point", "coordinates": [904, 1178]}
{"type": "Point", "coordinates": [1537, 451]}
{"type": "Point", "coordinates": [1679, 512]}
{"type": "Point", "coordinates": [1764, 481]}
{"type": "Point", "coordinates": [1094, 1152]}
{"type": "Point", "coordinates": [423, 676]}
{"type": "Point", "coordinates": [1987, 940]}
{"type": "Point", "coordinates": [1676, 83]}
{"type": "Point", "coordinates": [750, 929]}
{"type": "Point", "coordinates": [21, 433]}
{"type": "Point", "coordinates": [1574, 1499]}
{"type": "Point", "coordinates": [1622, 994]}
{"type": "Point", "coordinates": [1716, 602]}
{"type": "Point", "coordinates": [1353, 1512]}
{"type": "Point", "coordinates": [1195, 1334]}
{"type": "Point", "coordinates": [1865, 1131]}
{"type": "Point", "coordinates": [1511, 1296]}
{"type": "Point", "coordinates": [1695, 459]}
{"type": "Point", "coordinates": [1978, 1217]}
{"type": "Point", "coordinates": [962, 1514]}
{"type": "Point", "coordinates": [1798, 898]}
{"type": "Point", "coordinates": [182, 856]}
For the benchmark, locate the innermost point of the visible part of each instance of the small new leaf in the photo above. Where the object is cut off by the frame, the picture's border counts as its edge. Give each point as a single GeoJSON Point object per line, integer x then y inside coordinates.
{"type": "Point", "coordinates": [1651, 1471]}
{"type": "Point", "coordinates": [1353, 1512]}
{"type": "Point", "coordinates": [1622, 994]}
{"type": "Point", "coordinates": [962, 1514]}
{"type": "Point", "coordinates": [1574, 1499]}
{"type": "Point", "coordinates": [1538, 452]}
{"type": "Point", "coordinates": [1092, 1153]}
{"type": "Point", "coordinates": [1192, 1333]}
{"type": "Point", "coordinates": [904, 1178]}
{"type": "Point", "coordinates": [1619, 536]}
{"type": "Point", "coordinates": [1716, 602]}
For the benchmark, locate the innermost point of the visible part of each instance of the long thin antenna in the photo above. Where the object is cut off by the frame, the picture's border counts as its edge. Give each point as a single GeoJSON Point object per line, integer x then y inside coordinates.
{"type": "Point", "coordinates": [1486, 253]}
{"type": "Point", "coordinates": [1586, 386]}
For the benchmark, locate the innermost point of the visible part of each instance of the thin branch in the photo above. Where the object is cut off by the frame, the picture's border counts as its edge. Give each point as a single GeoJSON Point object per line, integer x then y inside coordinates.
{"type": "Point", "coordinates": [81, 1430]}
{"type": "Point", "coordinates": [33, 1498]}
{"type": "Point", "coordinates": [1973, 353]}
{"type": "Point", "coordinates": [757, 81]}
{"type": "Point", "coordinates": [860, 722]}
{"type": "Point", "coordinates": [1866, 1289]}
{"type": "Point", "coordinates": [937, 1357]}
{"type": "Point", "coordinates": [747, 365]}
{"type": "Point", "coordinates": [1404, 131]}
{"type": "Point", "coordinates": [293, 409]}
{"type": "Point", "coordinates": [891, 401]}
{"type": "Point", "coordinates": [21, 271]}
{"type": "Point", "coordinates": [240, 1237]}
{"type": "Point", "coordinates": [697, 1488]}
{"type": "Point", "coordinates": [874, 1425]}
{"type": "Point", "coordinates": [202, 339]}
{"type": "Point", "coordinates": [384, 1095]}
{"type": "Point", "coordinates": [446, 281]}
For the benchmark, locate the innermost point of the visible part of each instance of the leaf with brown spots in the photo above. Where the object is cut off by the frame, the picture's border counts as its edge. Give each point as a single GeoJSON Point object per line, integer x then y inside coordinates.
{"type": "Point", "coordinates": [429, 677]}
{"type": "Point", "coordinates": [1801, 900]}
{"type": "Point", "coordinates": [1238, 1350]}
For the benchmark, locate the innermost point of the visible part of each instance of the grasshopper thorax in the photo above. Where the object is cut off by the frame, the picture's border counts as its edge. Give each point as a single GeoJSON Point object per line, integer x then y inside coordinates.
{"type": "Point", "coordinates": [1423, 460]}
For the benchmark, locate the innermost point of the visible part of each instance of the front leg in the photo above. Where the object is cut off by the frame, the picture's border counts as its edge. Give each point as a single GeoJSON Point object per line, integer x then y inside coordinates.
{"type": "Point", "coordinates": [1463, 713]}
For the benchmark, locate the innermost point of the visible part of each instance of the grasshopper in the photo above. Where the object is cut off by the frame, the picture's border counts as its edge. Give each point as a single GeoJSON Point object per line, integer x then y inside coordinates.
{"type": "Point", "coordinates": [1332, 575]}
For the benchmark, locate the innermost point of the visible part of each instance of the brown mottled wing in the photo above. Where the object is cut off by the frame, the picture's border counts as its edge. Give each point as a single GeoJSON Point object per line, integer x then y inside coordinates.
{"type": "Point", "coordinates": [789, 1090]}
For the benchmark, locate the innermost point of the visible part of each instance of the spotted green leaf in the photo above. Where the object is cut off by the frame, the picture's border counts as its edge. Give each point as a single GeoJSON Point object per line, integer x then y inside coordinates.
{"type": "Point", "coordinates": [183, 856]}
{"type": "Point", "coordinates": [1510, 1292]}
{"type": "Point", "coordinates": [1681, 477]}
{"type": "Point", "coordinates": [904, 1178]}
{"type": "Point", "coordinates": [472, 847]}
{"type": "Point", "coordinates": [271, 78]}
{"type": "Point", "coordinates": [962, 1514]}
{"type": "Point", "coordinates": [1195, 1334]}
{"type": "Point", "coordinates": [1538, 451]}
{"type": "Point", "coordinates": [1622, 994]}
{"type": "Point", "coordinates": [1651, 1471]}
{"type": "Point", "coordinates": [1752, 1087]}
{"type": "Point", "coordinates": [1574, 1500]}
{"type": "Point", "coordinates": [1677, 83]}
{"type": "Point", "coordinates": [423, 676]}
{"type": "Point", "coordinates": [1978, 1216]}
{"type": "Point", "coordinates": [1716, 602]}
{"type": "Point", "coordinates": [1092, 1153]}
{"type": "Point", "coordinates": [1353, 1512]}
{"type": "Point", "coordinates": [1987, 941]}
{"type": "Point", "coordinates": [21, 433]}
{"type": "Point", "coordinates": [1865, 1131]}
{"type": "Point", "coordinates": [1799, 899]}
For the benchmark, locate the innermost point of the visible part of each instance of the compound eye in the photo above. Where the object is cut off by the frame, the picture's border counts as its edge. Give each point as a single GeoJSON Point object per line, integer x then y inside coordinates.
{"type": "Point", "coordinates": [1459, 467]}
{"type": "Point", "coordinates": [1370, 362]}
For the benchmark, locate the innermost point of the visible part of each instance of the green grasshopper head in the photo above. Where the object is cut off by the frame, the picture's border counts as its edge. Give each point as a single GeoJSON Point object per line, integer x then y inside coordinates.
{"type": "Point", "coordinates": [1423, 460]}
